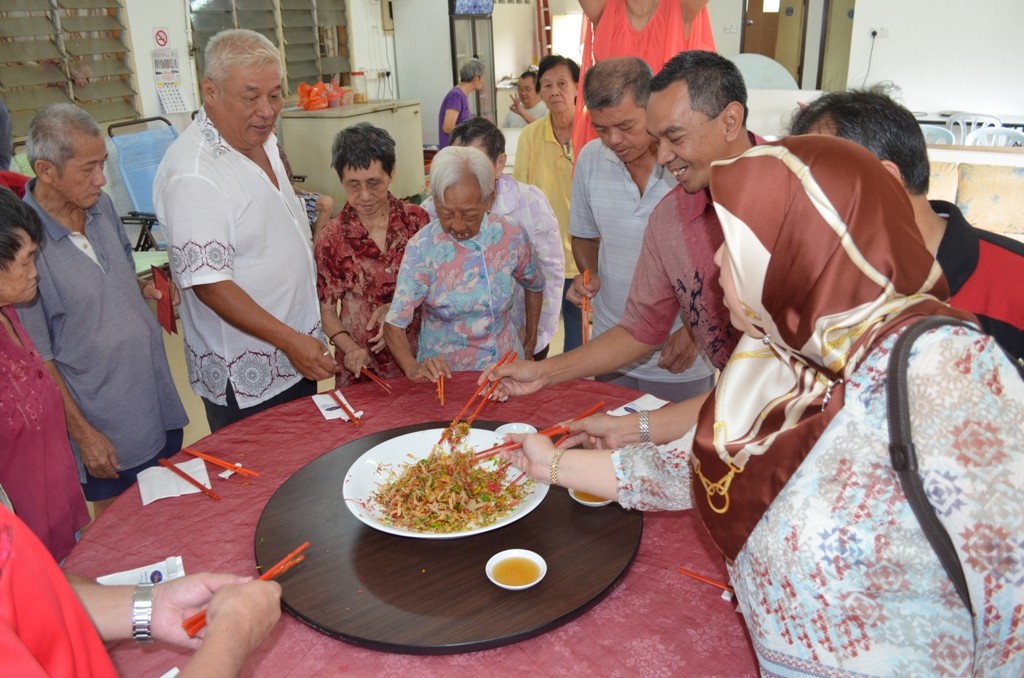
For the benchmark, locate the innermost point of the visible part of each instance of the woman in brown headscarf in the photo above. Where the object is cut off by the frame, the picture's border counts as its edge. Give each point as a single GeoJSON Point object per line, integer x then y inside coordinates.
{"type": "Point", "coordinates": [822, 268]}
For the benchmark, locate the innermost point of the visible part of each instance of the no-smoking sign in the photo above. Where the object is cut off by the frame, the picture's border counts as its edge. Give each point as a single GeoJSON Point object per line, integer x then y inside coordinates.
{"type": "Point", "coordinates": [160, 37]}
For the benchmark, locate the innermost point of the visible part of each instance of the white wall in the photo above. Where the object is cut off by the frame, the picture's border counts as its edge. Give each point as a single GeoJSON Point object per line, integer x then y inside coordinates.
{"type": "Point", "coordinates": [144, 18]}
{"type": "Point", "coordinates": [370, 49]}
{"type": "Point", "coordinates": [423, 59]}
{"type": "Point", "coordinates": [515, 35]}
{"type": "Point", "coordinates": [943, 54]}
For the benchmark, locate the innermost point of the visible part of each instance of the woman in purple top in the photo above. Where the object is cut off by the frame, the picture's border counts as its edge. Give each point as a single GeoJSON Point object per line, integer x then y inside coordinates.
{"type": "Point", "coordinates": [455, 106]}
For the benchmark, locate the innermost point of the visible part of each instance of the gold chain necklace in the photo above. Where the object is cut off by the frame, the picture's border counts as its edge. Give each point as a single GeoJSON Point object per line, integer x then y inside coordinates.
{"type": "Point", "coordinates": [721, 488]}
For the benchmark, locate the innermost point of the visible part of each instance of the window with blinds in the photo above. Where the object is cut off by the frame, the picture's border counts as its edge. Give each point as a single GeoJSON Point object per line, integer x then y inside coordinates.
{"type": "Point", "coordinates": [65, 51]}
{"type": "Point", "coordinates": [309, 33]}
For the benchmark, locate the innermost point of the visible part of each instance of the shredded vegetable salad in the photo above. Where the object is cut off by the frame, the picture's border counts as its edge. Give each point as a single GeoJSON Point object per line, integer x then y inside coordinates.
{"type": "Point", "coordinates": [448, 492]}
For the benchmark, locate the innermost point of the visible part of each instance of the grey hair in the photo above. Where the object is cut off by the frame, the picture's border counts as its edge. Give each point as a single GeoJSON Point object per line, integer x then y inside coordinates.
{"type": "Point", "coordinates": [52, 132]}
{"type": "Point", "coordinates": [356, 147]}
{"type": "Point", "coordinates": [237, 48]}
{"type": "Point", "coordinates": [452, 164]}
{"type": "Point", "coordinates": [608, 82]}
{"type": "Point", "coordinates": [470, 69]}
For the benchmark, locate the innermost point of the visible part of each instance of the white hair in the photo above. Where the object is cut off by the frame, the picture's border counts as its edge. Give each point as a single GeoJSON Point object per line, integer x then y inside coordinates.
{"type": "Point", "coordinates": [237, 48]}
{"type": "Point", "coordinates": [53, 132]}
{"type": "Point", "coordinates": [455, 163]}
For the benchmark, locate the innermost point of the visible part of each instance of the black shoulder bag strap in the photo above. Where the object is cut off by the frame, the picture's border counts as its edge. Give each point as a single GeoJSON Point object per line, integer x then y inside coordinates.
{"type": "Point", "coordinates": [904, 458]}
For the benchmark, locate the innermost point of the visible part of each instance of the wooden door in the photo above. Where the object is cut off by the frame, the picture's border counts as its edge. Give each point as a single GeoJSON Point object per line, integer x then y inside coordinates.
{"type": "Point", "coordinates": [789, 40]}
{"type": "Point", "coordinates": [760, 28]}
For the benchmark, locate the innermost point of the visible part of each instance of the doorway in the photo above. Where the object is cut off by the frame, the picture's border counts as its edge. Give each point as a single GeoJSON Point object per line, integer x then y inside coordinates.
{"type": "Point", "coordinates": [810, 38]}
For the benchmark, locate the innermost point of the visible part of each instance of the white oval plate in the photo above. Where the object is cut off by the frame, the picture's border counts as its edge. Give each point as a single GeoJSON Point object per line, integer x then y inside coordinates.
{"type": "Point", "coordinates": [372, 469]}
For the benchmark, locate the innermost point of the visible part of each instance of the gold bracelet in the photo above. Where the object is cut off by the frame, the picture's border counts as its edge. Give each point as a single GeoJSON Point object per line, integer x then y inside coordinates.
{"type": "Point", "coordinates": [553, 474]}
{"type": "Point", "coordinates": [331, 338]}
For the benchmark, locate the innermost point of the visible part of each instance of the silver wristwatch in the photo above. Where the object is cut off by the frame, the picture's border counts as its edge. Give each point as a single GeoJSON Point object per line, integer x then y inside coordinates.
{"type": "Point", "coordinates": [645, 426]}
{"type": "Point", "coordinates": [142, 613]}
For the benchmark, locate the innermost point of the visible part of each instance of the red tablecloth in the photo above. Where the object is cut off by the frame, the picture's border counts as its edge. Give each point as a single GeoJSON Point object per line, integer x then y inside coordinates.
{"type": "Point", "coordinates": [657, 622]}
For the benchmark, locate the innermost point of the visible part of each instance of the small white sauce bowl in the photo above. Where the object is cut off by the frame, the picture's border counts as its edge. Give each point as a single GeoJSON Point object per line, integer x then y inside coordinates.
{"type": "Point", "coordinates": [515, 553]}
{"type": "Point", "coordinates": [587, 502]}
{"type": "Point", "coordinates": [506, 429]}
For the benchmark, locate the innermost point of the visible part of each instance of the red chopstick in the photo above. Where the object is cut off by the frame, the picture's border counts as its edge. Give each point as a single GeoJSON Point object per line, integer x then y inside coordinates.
{"type": "Point", "coordinates": [585, 327]}
{"type": "Point", "coordinates": [440, 389]}
{"type": "Point", "coordinates": [237, 468]}
{"type": "Point", "coordinates": [469, 403]}
{"type": "Point", "coordinates": [207, 491]}
{"type": "Point", "coordinates": [375, 379]}
{"type": "Point", "coordinates": [490, 452]}
{"type": "Point", "coordinates": [706, 580]}
{"type": "Point", "coordinates": [345, 408]}
{"type": "Point", "coordinates": [196, 622]}
{"type": "Point", "coordinates": [486, 398]}
{"type": "Point", "coordinates": [560, 430]}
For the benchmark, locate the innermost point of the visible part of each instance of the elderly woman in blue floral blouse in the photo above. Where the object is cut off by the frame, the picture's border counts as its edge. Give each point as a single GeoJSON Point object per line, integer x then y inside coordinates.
{"type": "Point", "coordinates": [461, 271]}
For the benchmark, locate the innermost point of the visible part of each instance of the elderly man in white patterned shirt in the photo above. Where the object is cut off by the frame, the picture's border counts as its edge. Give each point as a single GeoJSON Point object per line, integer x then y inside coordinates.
{"type": "Point", "coordinates": [240, 244]}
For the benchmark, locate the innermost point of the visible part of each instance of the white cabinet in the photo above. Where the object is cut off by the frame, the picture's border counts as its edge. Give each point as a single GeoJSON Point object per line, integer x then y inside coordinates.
{"type": "Point", "coordinates": [307, 137]}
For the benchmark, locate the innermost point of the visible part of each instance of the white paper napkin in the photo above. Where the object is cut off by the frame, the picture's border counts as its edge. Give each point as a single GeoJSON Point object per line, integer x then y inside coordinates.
{"type": "Point", "coordinates": [165, 570]}
{"type": "Point", "coordinates": [158, 482]}
{"type": "Point", "coordinates": [330, 409]}
{"type": "Point", "coordinates": [644, 402]}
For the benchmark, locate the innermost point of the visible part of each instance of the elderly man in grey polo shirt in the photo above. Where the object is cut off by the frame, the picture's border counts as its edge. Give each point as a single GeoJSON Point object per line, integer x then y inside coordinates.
{"type": "Point", "coordinates": [90, 320]}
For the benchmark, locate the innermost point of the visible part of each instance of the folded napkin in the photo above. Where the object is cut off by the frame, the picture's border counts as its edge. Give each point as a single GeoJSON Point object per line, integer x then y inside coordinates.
{"type": "Point", "coordinates": [330, 409]}
{"type": "Point", "coordinates": [644, 402]}
{"type": "Point", "coordinates": [158, 482]}
{"type": "Point", "coordinates": [165, 570]}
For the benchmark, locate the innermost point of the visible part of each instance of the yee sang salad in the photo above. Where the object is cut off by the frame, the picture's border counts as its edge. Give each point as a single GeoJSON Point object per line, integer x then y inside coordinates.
{"type": "Point", "coordinates": [448, 491]}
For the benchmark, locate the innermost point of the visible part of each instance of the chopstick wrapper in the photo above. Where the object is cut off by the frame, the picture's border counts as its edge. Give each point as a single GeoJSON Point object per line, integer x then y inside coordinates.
{"type": "Point", "coordinates": [644, 402]}
{"type": "Point", "coordinates": [160, 483]}
{"type": "Point", "coordinates": [330, 409]}
{"type": "Point", "coordinates": [165, 570]}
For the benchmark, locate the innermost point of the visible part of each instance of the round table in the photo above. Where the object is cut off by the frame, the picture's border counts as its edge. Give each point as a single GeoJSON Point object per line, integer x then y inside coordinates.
{"type": "Point", "coordinates": [655, 621]}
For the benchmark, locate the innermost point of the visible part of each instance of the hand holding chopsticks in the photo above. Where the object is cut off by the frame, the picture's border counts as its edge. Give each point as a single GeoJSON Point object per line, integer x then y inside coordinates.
{"type": "Point", "coordinates": [197, 622]}
{"type": "Point", "coordinates": [171, 467]}
{"type": "Point", "coordinates": [469, 403]}
{"type": "Point", "coordinates": [558, 430]}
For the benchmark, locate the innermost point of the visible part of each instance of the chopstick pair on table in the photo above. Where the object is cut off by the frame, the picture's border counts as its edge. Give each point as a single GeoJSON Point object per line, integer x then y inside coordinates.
{"type": "Point", "coordinates": [197, 622]}
{"type": "Point", "coordinates": [344, 407]}
{"type": "Point", "coordinates": [237, 468]}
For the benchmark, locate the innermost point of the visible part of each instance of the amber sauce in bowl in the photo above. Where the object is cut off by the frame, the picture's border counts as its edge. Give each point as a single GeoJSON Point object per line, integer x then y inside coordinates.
{"type": "Point", "coordinates": [516, 569]}
{"type": "Point", "coordinates": [588, 499]}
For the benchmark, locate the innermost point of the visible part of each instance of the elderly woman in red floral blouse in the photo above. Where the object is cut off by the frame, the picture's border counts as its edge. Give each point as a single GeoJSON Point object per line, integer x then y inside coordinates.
{"type": "Point", "coordinates": [359, 251]}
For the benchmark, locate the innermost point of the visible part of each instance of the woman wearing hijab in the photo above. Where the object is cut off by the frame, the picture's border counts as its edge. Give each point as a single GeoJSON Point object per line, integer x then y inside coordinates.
{"type": "Point", "coordinates": [822, 268]}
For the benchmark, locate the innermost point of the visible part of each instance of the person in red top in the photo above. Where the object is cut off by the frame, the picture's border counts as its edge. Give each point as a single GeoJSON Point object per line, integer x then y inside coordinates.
{"type": "Point", "coordinates": [653, 30]}
{"type": "Point", "coordinates": [36, 463]}
{"type": "Point", "coordinates": [52, 625]}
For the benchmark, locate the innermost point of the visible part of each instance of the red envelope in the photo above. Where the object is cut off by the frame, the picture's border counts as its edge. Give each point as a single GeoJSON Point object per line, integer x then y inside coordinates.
{"type": "Point", "coordinates": [164, 307]}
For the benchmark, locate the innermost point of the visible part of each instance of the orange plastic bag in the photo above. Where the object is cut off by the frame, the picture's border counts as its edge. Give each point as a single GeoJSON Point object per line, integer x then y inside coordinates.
{"type": "Point", "coordinates": [312, 97]}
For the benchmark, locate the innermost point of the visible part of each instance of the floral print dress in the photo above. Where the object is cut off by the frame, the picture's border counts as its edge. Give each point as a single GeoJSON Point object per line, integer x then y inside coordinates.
{"type": "Point", "coordinates": [837, 578]}
{"type": "Point", "coordinates": [353, 270]}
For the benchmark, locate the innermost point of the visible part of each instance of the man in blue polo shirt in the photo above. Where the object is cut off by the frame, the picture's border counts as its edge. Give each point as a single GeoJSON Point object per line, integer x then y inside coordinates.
{"type": "Point", "coordinates": [90, 321]}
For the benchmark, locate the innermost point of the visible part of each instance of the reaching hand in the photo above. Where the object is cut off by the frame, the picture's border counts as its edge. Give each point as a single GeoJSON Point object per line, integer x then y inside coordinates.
{"type": "Point", "coordinates": [679, 351]}
{"type": "Point", "coordinates": [356, 360]}
{"type": "Point", "coordinates": [429, 370]}
{"type": "Point", "coordinates": [310, 357]}
{"type": "Point", "coordinates": [603, 432]}
{"type": "Point", "coordinates": [519, 377]}
{"type": "Point", "coordinates": [534, 457]}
